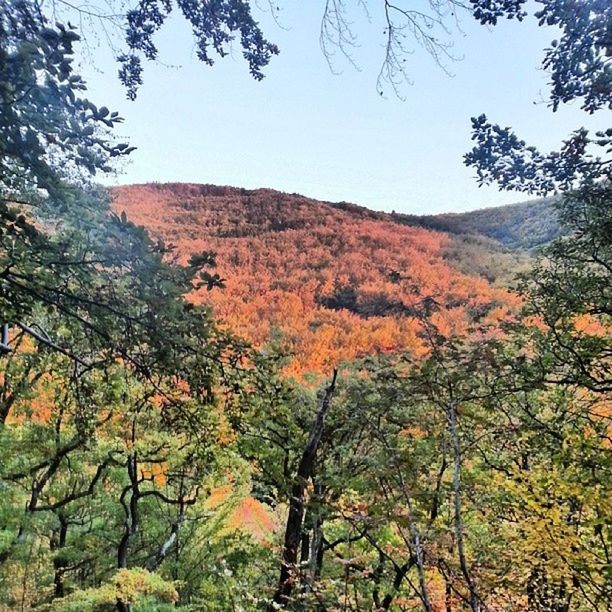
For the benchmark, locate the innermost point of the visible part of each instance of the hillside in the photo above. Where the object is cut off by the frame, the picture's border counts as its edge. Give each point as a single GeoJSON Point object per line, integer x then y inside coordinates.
{"type": "Point", "coordinates": [328, 282]}
{"type": "Point", "coordinates": [526, 225]}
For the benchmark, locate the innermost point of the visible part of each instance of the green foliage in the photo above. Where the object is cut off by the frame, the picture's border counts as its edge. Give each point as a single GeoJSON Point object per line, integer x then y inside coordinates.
{"type": "Point", "coordinates": [214, 25]}
{"type": "Point", "coordinates": [478, 474]}
{"type": "Point", "coordinates": [578, 62]}
{"type": "Point", "coordinates": [136, 587]}
{"type": "Point", "coordinates": [49, 131]}
{"type": "Point", "coordinates": [520, 226]}
{"type": "Point", "coordinates": [119, 404]}
{"type": "Point", "coordinates": [569, 290]}
{"type": "Point", "coordinates": [476, 256]}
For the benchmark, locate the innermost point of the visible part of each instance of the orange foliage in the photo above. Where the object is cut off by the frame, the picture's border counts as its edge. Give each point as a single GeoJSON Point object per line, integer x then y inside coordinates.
{"type": "Point", "coordinates": [38, 408]}
{"type": "Point", "coordinates": [156, 473]}
{"type": "Point", "coordinates": [218, 495]}
{"type": "Point", "coordinates": [252, 517]}
{"type": "Point", "coordinates": [284, 258]}
{"type": "Point", "coordinates": [249, 516]}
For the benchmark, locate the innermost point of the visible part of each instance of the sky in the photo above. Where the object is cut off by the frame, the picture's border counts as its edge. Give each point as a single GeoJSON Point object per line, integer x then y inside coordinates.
{"type": "Point", "coordinates": [328, 134]}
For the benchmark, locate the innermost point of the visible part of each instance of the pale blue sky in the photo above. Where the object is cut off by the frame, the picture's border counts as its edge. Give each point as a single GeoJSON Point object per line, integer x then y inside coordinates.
{"type": "Point", "coordinates": [331, 136]}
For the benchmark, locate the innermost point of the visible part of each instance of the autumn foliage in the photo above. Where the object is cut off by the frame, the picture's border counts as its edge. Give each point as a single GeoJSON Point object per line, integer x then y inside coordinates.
{"type": "Point", "coordinates": [328, 283]}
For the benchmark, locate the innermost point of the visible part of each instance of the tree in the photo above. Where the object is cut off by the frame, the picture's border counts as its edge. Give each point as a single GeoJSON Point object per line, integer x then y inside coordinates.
{"type": "Point", "coordinates": [130, 29]}
{"type": "Point", "coordinates": [115, 388]}
{"type": "Point", "coordinates": [580, 70]}
{"type": "Point", "coordinates": [457, 479]}
{"type": "Point", "coordinates": [49, 131]}
{"type": "Point", "coordinates": [294, 528]}
{"type": "Point", "coordinates": [115, 394]}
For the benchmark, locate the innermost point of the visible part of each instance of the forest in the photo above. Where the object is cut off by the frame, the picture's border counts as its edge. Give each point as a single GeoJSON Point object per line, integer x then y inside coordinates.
{"type": "Point", "coordinates": [322, 285]}
{"type": "Point", "coordinates": [216, 399]}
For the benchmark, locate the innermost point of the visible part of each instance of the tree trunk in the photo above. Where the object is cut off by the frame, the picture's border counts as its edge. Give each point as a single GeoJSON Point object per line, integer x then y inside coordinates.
{"type": "Point", "coordinates": [293, 530]}
{"type": "Point", "coordinates": [132, 520]}
{"type": "Point", "coordinates": [57, 544]}
{"type": "Point", "coordinates": [451, 415]}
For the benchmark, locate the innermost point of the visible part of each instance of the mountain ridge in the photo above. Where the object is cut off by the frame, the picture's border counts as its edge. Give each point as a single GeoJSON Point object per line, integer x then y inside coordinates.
{"type": "Point", "coordinates": [522, 225]}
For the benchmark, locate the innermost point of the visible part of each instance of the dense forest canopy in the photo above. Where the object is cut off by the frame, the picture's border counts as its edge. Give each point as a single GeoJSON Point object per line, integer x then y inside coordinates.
{"type": "Point", "coordinates": [152, 458]}
{"type": "Point", "coordinates": [325, 284]}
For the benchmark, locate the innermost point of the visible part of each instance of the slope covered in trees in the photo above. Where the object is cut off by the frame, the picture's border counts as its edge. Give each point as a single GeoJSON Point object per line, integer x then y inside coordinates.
{"type": "Point", "coordinates": [328, 283]}
{"type": "Point", "coordinates": [526, 225]}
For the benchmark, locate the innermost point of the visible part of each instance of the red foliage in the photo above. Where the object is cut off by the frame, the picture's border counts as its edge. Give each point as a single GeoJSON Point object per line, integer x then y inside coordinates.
{"type": "Point", "coordinates": [331, 283]}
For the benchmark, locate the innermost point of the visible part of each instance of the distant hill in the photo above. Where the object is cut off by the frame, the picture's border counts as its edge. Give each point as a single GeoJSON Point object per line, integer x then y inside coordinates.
{"type": "Point", "coordinates": [527, 225]}
{"type": "Point", "coordinates": [522, 226]}
{"type": "Point", "coordinates": [330, 281]}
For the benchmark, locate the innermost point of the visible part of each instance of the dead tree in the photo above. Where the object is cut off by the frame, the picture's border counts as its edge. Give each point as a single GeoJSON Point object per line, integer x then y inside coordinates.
{"type": "Point", "coordinates": [293, 530]}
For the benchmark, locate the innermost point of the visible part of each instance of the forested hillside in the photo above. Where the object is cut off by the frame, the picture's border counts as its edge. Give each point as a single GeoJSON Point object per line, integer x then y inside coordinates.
{"type": "Point", "coordinates": [526, 225]}
{"type": "Point", "coordinates": [328, 283]}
